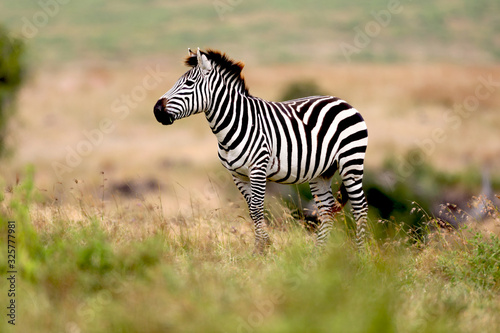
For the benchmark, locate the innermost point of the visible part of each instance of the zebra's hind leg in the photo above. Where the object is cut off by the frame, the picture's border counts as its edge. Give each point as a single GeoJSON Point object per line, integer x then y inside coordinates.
{"type": "Point", "coordinates": [327, 206]}
{"type": "Point", "coordinates": [253, 191]}
{"type": "Point", "coordinates": [354, 188]}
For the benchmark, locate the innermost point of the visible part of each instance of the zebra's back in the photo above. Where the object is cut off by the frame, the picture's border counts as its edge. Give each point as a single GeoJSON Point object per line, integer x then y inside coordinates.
{"type": "Point", "coordinates": [312, 137]}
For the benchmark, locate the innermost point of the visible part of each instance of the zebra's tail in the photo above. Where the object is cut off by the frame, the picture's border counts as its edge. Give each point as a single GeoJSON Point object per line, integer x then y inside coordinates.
{"type": "Point", "coordinates": [341, 198]}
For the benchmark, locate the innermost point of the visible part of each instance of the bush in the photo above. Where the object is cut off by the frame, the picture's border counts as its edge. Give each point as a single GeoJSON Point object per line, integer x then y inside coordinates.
{"type": "Point", "coordinates": [299, 89]}
{"type": "Point", "coordinates": [11, 75]}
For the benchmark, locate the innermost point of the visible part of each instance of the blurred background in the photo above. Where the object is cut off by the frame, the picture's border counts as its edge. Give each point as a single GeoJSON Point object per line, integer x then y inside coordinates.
{"type": "Point", "coordinates": [425, 75]}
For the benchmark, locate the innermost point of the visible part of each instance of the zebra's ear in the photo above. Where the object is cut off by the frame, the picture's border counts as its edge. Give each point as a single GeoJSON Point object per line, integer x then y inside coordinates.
{"type": "Point", "coordinates": [203, 62]}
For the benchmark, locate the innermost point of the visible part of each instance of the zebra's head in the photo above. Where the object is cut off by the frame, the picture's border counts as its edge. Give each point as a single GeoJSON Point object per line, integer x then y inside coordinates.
{"type": "Point", "coordinates": [189, 94]}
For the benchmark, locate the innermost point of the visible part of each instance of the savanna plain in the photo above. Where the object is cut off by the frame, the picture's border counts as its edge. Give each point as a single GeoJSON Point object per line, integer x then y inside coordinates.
{"type": "Point", "coordinates": [125, 225]}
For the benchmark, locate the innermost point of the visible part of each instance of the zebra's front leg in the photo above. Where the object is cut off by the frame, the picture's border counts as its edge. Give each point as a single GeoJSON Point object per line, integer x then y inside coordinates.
{"type": "Point", "coordinates": [254, 191]}
{"type": "Point", "coordinates": [326, 204]}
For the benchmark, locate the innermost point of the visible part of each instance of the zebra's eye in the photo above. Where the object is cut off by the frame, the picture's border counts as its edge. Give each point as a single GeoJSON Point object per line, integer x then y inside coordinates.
{"type": "Point", "coordinates": [189, 83]}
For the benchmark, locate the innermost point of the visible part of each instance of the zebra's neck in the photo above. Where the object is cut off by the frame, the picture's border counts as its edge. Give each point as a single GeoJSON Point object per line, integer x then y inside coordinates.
{"type": "Point", "coordinates": [229, 108]}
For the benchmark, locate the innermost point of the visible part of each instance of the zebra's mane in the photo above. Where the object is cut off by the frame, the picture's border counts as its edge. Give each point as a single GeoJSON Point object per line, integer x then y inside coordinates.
{"type": "Point", "coordinates": [227, 65]}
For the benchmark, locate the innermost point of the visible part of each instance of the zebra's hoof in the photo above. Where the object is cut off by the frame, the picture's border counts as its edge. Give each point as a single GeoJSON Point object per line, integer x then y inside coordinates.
{"type": "Point", "coordinates": [261, 246]}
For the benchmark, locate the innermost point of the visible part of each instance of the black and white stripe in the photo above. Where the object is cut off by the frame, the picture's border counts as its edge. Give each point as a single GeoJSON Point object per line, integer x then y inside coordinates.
{"type": "Point", "coordinates": [298, 141]}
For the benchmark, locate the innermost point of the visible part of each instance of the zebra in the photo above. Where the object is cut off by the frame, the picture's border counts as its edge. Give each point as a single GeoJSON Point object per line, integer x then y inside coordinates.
{"type": "Point", "coordinates": [303, 140]}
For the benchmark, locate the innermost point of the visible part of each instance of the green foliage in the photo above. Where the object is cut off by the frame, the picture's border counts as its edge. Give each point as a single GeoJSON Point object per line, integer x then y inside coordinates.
{"type": "Point", "coordinates": [300, 89]}
{"type": "Point", "coordinates": [29, 249]}
{"type": "Point", "coordinates": [343, 291]}
{"type": "Point", "coordinates": [477, 264]}
{"type": "Point", "coordinates": [95, 256]}
{"type": "Point", "coordinates": [11, 74]}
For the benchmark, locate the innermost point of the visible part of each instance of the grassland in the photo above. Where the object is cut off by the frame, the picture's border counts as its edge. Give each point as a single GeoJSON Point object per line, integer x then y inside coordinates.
{"type": "Point", "coordinates": [145, 232]}
{"type": "Point", "coordinates": [127, 267]}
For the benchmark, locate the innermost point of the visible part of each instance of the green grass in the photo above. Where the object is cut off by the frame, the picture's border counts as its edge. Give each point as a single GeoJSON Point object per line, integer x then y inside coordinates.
{"type": "Point", "coordinates": [156, 274]}
{"type": "Point", "coordinates": [276, 31]}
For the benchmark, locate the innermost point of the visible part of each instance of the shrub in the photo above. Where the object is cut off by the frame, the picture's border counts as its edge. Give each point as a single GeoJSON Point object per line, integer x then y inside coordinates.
{"type": "Point", "coordinates": [299, 89]}
{"type": "Point", "coordinates": [11, 75]}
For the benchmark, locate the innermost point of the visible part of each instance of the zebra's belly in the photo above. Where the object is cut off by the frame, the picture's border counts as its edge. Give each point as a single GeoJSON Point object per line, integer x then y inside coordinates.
{"type": "Point", "coordinates": [282, 178]}
{"type": "Point", "coordinates": [292, 173]}
{"type": "Point", "coordinates": [277, 171]}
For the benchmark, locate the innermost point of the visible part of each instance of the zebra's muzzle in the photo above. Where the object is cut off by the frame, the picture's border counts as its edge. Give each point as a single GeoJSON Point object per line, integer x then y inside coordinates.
{"type": "Point", "coordinates": [161, 114]}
